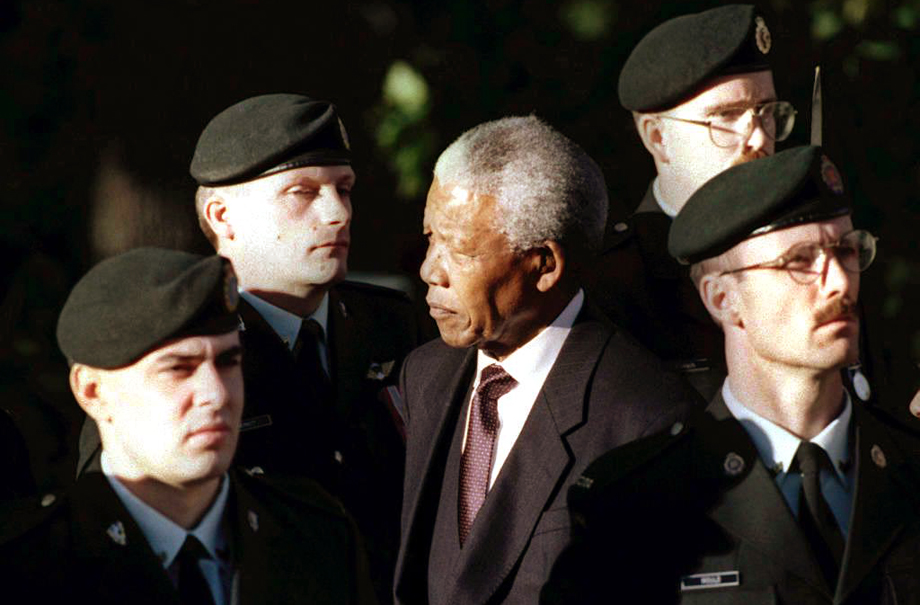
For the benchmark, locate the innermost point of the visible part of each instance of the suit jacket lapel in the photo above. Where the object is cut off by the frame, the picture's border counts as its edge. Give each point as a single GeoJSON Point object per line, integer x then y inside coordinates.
{"type": "Point", "coordinates": [884, 503]}
{"type": "Point", "coordinates": [434, 411]}
{"type": "Point", "coordinates": [534, 471]}
{"type": "Point", "coordinates": [751, 507]}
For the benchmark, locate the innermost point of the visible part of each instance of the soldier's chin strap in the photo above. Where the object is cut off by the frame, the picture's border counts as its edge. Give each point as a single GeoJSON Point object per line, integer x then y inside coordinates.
{"type": "Point", "coordinates": [816, 125]}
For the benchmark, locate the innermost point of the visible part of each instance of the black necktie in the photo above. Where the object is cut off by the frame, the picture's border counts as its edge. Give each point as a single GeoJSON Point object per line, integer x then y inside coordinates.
{"type": "Point", "coordinates": [306, 353]}
{"type": "Point", "coordinates": [193, 588]}
{"type": "Point", "coordinates": [815, 516]}
{"type": "Point", "coordinates": [476, 461]}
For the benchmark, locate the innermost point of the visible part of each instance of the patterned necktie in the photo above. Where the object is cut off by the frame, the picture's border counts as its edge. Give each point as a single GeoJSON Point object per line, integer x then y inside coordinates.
{"type": "Point", "coordinates": [476, 461]}
{"type": "Point", "coordinates": [193, 587]}
{"type": "Point", "coordinates": [815, 516]}
{"type": "Point", "coordinates": [306, 353]}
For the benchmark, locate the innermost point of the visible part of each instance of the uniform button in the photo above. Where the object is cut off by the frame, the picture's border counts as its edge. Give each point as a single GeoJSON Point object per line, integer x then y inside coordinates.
{"type": "Point", "coordinates": [48, 500]}
{"type": "Point", "coordinates": [733, 465]}
{"type": "Point", "coordinates": [861, 386]}
{"type": "Point", "coordinates": [256, 470]}
{"type": "Point", "coordinates": [878, 456]}
{"type": "Point", "coordinates": [338, 456]}
{"type": "Point", "coordinates": [676, 428]}
{"type": "Point", "coordinates": [620, 227]}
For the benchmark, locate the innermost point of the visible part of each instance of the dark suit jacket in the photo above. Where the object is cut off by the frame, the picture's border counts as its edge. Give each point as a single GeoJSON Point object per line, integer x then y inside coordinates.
{"type": "Point", "coordinates": [642, 288]}
{"type": "Point", "coordinates": [668, 507]}
{"type": "Point", "coordinates": [603, 390]}
{"type": "Point", "coordinates": [353, 445]}
{"type": "Point", "coordinates": [286, 549]}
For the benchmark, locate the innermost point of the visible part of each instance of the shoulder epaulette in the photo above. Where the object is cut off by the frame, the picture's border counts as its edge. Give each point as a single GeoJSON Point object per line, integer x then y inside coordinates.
{"type": "Point", "coordinates": [294, 490]}
{"type": "Point", "coordinates": [626, 459]}
{"type": "Point", "coordinates": [20, 516]}
{"type": "Point", "coordinates": [618, 234]}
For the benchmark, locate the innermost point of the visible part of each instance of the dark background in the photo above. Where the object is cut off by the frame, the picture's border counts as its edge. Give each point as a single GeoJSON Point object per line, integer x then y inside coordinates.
{"type": "Point", "coordinates": [102, 102]}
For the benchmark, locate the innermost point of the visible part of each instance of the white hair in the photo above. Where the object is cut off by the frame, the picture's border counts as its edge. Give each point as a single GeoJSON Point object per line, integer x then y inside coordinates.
{"type": "Point", "coordinates": [546, 186]}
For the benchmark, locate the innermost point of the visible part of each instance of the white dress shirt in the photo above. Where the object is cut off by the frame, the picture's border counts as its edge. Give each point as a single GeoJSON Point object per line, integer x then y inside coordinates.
{"type": "Point", "coordinates": [166, 537]}
{"type": "Point", "coordinates": [529, 365]}
{"type": "Point", "coordinates": [287, 324]}
{"type": "Point", "coordinates": [776, 447]}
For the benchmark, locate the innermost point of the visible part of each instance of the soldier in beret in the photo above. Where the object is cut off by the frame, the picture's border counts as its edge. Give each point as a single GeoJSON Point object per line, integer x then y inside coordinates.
{"type": "Point", "coordinates": [785, 489]}
{"type": "Point", "coordinates": [275, 182]}
{"type": "Point", "coordinates": [152, 339]}
{"type": "Point", "coordinates": [700, 89]}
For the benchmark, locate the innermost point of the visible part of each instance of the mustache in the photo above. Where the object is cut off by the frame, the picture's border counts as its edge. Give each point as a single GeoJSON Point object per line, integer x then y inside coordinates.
{"type": "Point", "coordinates": [747, 156]}
{"type": "Point", "coordinates": [838, 308]}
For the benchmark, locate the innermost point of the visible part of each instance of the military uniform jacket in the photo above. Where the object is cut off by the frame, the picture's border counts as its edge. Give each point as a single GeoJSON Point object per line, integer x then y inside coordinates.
{"type": "Point", "coordinates": [603, 390]}
{"type": "Point", "coordinates": [84, 547]}
{"type": "Point", "coordinates": [642, 288]}
{"type": "Point", "coordinates": [352, 445]}
{"type": "Point", "coordinates": [696, 507]}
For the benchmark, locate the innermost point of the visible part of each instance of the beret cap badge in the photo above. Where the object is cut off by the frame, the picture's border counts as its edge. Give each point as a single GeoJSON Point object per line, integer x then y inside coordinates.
{"type": "Point", "coordinates": [344, 133]}
{"type": "Point", "coordinates": [762, 35]}
{"type": "Point", "coordinates": [831, 176]}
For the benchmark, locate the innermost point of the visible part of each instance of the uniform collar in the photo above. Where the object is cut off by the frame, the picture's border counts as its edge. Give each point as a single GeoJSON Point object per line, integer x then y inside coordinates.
{"type": "Point", "coordinates": [166, 537]}
{"type": "Point", "coordinates": [532, 361]}
{"type": "Point", "coordinates": [283, 322]}
{"type": "Point", "coordinates": [776, 446]}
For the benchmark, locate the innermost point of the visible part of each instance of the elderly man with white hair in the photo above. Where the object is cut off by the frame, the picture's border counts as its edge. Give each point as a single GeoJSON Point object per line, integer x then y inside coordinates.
{"type": "Point", "coordinates": [528, 382]}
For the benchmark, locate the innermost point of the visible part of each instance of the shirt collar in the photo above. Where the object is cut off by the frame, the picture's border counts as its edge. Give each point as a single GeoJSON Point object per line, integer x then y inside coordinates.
{"type": "Point", "coordinates": [665, 207]}
{"type": "Point", "coordinates": [534, 359]}
{"type": "Point", "coordinates": [166, 537]}
{"type": "Point", "coordinates": [283, 322]}
{"type": "Point", "coordinates": [776, 446]}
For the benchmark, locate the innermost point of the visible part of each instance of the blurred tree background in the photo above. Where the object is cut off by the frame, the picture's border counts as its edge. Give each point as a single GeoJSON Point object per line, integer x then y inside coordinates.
{"type": "Point", "coordinates": [103, 100]}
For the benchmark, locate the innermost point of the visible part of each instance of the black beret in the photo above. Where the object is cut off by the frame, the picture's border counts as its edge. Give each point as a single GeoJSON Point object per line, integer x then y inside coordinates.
{"type": "Point", "coordinates": [795, 186]}
{"type": "Point", "coordinates": [267, 134]}
{"type": "Point", "coordinates": [130, 304]}
{"type": "Point", "coordinates": [674, 61]}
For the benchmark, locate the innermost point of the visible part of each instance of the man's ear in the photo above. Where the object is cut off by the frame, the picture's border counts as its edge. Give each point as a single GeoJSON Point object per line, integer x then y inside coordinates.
{"type": "Point", "coordinates": [85, 383]}
{"type": "Point", "coordinates": [216, 212]}
{"type": "Point", "coordinates": [720, 296]}
{"type": "Point", "coordinates": [650, 128]}
{"type": "Point", "coordinates": [551, 264]}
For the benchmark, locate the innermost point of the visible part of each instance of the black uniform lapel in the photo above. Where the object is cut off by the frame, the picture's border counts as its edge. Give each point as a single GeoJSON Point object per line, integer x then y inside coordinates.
{"type": "Point", "coordinates": [752, 507]}
{"type": "Point", "coordinates": [266, 361]}
{"type": "Point", "coordinates": [884, 502]}
{"type": "Point", "coordinates": [348, 363]}
{"type": "Point", "coordinates": [116, 552]}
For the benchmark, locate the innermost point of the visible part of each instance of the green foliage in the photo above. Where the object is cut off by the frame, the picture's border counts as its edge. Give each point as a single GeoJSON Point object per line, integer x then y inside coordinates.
{"type": "Point", "coordinates": [403, 133]}
{"type": "Point", "coordinates": [588, 20]}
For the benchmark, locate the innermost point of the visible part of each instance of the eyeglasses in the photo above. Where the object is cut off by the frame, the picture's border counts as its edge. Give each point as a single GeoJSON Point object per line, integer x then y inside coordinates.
{"type": "Point", "coordinates": [729, 127]}
{"type": "Point", "coordinates": [855, 251]}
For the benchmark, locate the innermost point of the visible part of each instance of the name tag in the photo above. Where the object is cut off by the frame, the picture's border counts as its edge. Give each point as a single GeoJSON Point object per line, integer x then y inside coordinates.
{"type": "Point", "coordinates": [718, 579]}
{"type": "Point", "coordinates": [256, 422]}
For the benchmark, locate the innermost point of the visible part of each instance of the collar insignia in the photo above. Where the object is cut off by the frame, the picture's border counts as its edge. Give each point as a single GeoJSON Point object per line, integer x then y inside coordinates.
{"type": "Point", "coordinates": [116, 532]}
